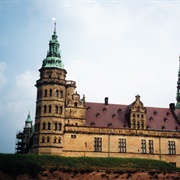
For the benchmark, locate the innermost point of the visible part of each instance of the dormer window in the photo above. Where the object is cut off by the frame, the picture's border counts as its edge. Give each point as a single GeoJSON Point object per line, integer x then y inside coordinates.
{"type": "Point", "coordinates": [114, 115]}
{"type": "Point", "coordinates": [92, 124]}
{"type": "Point", "coordinates": [165, 119]}
{"type": "Point", "coordinates": [147, 127]}
{"type": "Point", "coordinates": [163, 127]}
{"type": "Point", "coordinates": [104, 109]}
{"type": "Point", "coordinates": [168, 113]}
{"type": "Point", "coordinates": [151, 119]}
{"type": "Point", "coordinates": [119, 110]}
{"type": "Point", "coordinates": [88, 108]}
{"type": "Point", "coordinates": [110, 125]}
{"type": "Point", "coordinates": [155, 112]}
{"type": "Point", "coordinates": [177, 128]}
{"type": "Point", "coordinates": [97, 114]}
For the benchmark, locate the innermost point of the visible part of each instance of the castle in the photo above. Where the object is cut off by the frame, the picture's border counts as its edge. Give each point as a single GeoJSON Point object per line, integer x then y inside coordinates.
{"type": "Point", "coordinates": [67, 125]}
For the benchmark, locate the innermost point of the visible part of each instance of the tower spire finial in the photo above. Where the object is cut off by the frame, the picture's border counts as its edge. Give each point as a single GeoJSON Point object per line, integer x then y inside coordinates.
{"type": "Point", "coordinates": [54, 20]}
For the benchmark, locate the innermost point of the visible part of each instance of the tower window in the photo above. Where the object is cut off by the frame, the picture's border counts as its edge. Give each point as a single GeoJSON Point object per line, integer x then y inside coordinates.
{"type": "Point", "coordinates": [60, 126]}
{"type": "Point", "coordinates": [57, 93]}
{"type": "Point", "coordinates": [44, 108]}
{"type": "Point", "coordinates": [45, 93]}
{"type": "Point", "coordinates": [48, 139]}
{"type": "Point", "coordinates": [59, 140]}
{"type": "Point", "coordinates": [54, 139]}
{"type": "Point", "coordinates": [56, 109]}
{"type": "Point", "coordinates": [49, 125]}
{"type": "Point", "coordinates": [61, 110]}
{"type": "Point", "coordinates": [49, 108]}
{"type": "Point", "coordinates": [50, 92]}
{"type": "Point", "coordinates": [61, 94]}
{"type": "Point", "coordinates": [43, 139]}
{"type": "Point", "coordinates": [55, 126]}
{"type": "Point", "coordinates": [44, 126]}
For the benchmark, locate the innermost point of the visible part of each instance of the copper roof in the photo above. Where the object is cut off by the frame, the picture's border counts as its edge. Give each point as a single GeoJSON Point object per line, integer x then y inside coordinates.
{"type": "Point", "coordinates": [114, 116]}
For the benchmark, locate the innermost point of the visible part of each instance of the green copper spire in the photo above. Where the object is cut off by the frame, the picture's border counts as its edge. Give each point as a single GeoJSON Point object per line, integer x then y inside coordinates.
{"type": "Point", "coordinates": [28, 120]}
{"type": "Point", "coordinates": [178, 89]}
{"type": "Point", "coordinates": [53, 58]}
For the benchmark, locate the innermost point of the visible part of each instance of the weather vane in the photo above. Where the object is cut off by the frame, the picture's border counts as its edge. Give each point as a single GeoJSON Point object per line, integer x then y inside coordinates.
{"type": "Point", "coordinates": [54, 20]}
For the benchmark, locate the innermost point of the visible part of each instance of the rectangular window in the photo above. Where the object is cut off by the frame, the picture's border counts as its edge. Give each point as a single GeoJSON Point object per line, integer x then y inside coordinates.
{"type": "Point", "coordinates": [143, 146]}
{"type": "Point", "coordinates": [97, 144]}
{"type": "Point", "coordinates": [122, 145]}
{"type": "Point", "coordinates": [171, 147]}
{"type": "Point", "coordinates": [73, 136]}
{"type": "Point", "coordinates": [151, 147]}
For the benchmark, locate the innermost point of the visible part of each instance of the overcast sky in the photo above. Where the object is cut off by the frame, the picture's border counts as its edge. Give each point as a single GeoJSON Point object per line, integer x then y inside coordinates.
{"type": "Point", "coordinates": [114, 49]}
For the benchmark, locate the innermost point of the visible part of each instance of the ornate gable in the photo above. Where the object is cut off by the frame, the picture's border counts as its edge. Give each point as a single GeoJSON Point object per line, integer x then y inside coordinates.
{"type": "Point", "coordinates": [137, 114]}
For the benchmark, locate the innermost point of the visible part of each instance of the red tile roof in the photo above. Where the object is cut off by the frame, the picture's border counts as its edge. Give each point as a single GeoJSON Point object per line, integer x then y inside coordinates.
{"type": "Point", "coordinates": [114, 116]}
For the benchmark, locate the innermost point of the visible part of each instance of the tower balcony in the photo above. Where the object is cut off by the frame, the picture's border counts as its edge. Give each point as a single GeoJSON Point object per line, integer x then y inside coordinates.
{"type": "Point", "coordinates": [50, 81]}
{"type": "Point", "coordinates": [71, 83]}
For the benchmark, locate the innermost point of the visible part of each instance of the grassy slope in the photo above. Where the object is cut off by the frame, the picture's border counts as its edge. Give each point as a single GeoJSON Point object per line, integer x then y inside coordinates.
{"type": "Point", "coordinates": [14, 165]}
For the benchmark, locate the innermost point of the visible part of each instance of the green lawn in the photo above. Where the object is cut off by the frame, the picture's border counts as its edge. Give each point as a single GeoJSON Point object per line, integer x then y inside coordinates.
{"type": "Point", "coordinates": [14, 164]}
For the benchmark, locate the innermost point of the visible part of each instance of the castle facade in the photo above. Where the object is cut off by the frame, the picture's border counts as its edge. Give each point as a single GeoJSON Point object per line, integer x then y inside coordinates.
{"type": "Point", "coordinates": [67, 125]}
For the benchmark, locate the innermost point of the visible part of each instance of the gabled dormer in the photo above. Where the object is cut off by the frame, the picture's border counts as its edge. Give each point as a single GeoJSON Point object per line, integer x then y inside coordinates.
{"type": "Point", "coordinates": [137, 114]}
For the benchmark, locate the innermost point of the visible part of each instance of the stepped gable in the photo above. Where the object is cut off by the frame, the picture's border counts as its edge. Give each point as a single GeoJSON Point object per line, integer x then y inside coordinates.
{"type": "Point", "coordinates": [115, 116]}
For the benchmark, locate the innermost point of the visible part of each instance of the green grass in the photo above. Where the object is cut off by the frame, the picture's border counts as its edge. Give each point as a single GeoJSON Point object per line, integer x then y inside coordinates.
{"type": "Point", "coordinates": [14, 164]}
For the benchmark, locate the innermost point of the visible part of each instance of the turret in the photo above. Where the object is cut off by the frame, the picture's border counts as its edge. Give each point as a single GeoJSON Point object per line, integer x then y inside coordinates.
{"type": "Point", "coordinates": [178, 89]}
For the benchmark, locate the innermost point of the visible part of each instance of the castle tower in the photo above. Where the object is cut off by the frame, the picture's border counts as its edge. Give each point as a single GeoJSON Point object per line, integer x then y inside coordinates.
{"type": "Point", "coordinates": [23, 137]}
{"type": "Point", "coordinates": [178, 89]}
{"type": "Point", "coordinates": [57, 104]}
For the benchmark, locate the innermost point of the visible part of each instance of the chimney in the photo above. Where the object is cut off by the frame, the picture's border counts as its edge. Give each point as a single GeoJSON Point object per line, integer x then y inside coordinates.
{"type": "Point", "coordinates": [106, 101]}
{"type": "Point", "coordinates": [172, 106]}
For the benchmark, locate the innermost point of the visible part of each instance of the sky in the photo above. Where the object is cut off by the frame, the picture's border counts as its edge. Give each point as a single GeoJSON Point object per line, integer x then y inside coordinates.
{"type": "Point", "coordinates": [114, 49]}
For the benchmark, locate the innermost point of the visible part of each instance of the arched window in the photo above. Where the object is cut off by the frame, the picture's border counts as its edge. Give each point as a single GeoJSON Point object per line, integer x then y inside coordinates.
{"type": "Point", "coordinates": [61, 94]}
{"type": "Point", "coordinates": [50, 93]}
{"type": "Point", "coordinates": [49, 108]}
{"type": "Point", "coordinates": [45, 93]}
{"type": "Point", "coordinates": [43, 139]}
{"type": "Point", "coordinates": [55, 126]}
{"type": "Point", "coordinates": [75, 104]}
{"type": "Point", "coordinates": [57, 93]}
{"type": "Point", "coordinates": [48, 139]}
{"type": "Point", "coordinates": [54, 139]}
{"type": "Point", "coordinates": [56, 109]}
{"type": "Point", "coordinates": [40, 93]}
{"type": "Point", "coordinates": [49, 125]}
{"type": "Point", "coordinates": [61, 110]}
{"type": "Point", "coordinates": [44, 108]}
{"type": "Point", "coordinates": [60, 126]}
{"type": "Point", "coordinates": [39, 111]}
{"type": "Point", "coordinates": [38, 126]}
{"type": "Point", "coordinates": [44, 125]}
{"type": "Point", "coordinates": [59, 140]}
